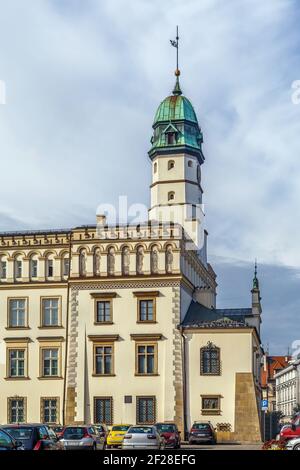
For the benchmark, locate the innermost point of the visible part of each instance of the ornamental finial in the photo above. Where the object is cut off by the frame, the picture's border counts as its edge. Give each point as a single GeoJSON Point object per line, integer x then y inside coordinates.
{"type": "Point", "coordinates": [175, 43]}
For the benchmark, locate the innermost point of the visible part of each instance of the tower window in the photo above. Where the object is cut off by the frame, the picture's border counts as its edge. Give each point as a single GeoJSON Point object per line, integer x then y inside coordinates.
{"type": "Point", "coordinates": [155, 167]}
{"type": "Point", "coordinates": [190, 163]}
{"type": "Point", "coordinates": [171, 196]}
{"type": "Point", "coordinates": [171, 138]}
{"type": "Point", "coordinates": [171, 164]}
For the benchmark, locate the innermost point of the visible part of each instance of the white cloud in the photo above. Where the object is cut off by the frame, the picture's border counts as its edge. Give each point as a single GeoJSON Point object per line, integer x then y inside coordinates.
{"type": "Point", "coordinates": [83, 80]}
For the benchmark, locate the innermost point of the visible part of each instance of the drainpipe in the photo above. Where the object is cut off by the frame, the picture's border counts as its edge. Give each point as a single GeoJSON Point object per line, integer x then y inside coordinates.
{"type": "Point", "coordinates": [67, 336]}
{"type": "Point", "coordinates": [184, 381]}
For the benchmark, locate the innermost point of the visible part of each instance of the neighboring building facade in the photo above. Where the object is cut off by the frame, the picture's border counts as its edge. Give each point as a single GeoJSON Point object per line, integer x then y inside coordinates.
{"type": "Point", "coordinates": [271, 366]}
{"type": "Point", "coordinates": [288, 389]}
{"type": "Point", "coordinates": [119, 324]}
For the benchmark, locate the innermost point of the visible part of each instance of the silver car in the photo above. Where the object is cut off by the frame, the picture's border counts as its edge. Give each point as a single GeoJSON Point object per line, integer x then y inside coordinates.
{"type": "Point", "coordinates": [293, 444]}
{"type": "Point", "coordinates": [143, 437]}
{"type": "Point", "coordinates": [84, 437]}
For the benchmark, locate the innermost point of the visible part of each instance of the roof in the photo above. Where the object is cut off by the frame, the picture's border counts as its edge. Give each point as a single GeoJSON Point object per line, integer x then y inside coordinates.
{"type": "Point", "coordinates": [273, 365]}
{"type": "Point", "coordinates": [175, 107]}
{"type": "Point", "coordinates": [199, 316]}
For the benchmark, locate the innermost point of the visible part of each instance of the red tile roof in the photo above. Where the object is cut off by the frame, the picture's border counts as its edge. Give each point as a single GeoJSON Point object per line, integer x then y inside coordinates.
{"type": "Point", "coordinates": [273, 364]}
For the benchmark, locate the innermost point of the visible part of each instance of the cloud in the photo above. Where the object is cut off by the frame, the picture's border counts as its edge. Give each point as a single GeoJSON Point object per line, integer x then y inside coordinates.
{"type": "Point", "coordinates": [83, 80]}
{"type": "Point", "coordinates": [279, 286]}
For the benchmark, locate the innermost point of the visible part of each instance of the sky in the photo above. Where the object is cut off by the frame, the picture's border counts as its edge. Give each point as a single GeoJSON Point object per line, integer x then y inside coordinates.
{"type": "Point", "coordinates": [83, 80]}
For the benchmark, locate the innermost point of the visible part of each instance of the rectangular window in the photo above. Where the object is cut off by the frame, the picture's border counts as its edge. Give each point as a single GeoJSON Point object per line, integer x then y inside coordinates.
{"type": "Point", "coordinates": [210, 363]}
{"type": "Point", "coordinates": [66, 267]}
{"type": "Point", "coordinates": [50, 362]}
{"type": "Point", "coordinates": [50, 312]}
{"type": "Point", "coordinates": [17, 313]}
{"type": "Point", "coordinates": [3, 270]}
{"type": "Point", "coordinates": [16, 362]}
{"type": "Point", "coordinates": [145, 410]}
{"type": "Point", "coordinates": [103, 410]}
{"type": "Point", "coordinates": [49, 410]}
{"type": "Point", "coordinates": [146, 310]}
{"type": "Point", "coordinates": [34, 268]}
{"type": "Point", "coordinates": [146, 359]}
{"type": "Point", "coordinates": [211, 405]}
{"type": "Point", "coordinates": [103, 360]}
{"type": "Point", "coordinates": [18, 269]}
{"type": "Point", "coordinates": [103, 311]}
{"type": "Point", "coordinates": [49, 268]}
{"type": "Point", "coordinates": [16, 410]}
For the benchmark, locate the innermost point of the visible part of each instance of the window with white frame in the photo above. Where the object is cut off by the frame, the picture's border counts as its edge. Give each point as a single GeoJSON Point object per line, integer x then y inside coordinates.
{"type": "Point", "coordinates": [33, 268]}
{"type": "Point", "coordinates": [50, 365]}
{"type": "Point", "coordinates": [50, 312]}
{"type": "Point", "coordinates": [17, 313]}
{"type": "Point", "coordinates": [16, 366]}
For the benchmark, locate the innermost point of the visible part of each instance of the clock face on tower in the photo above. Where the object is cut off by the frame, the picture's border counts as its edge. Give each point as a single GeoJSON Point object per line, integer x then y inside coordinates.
{"type": "Point", "coordinates": [199, 174]}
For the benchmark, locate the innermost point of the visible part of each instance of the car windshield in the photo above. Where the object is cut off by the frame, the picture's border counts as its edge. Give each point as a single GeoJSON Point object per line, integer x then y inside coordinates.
{"type": "Point", "coordinates": [58, 429]}
{"type": "Point", "coordinates": [120, 428]}
{"type": "Point", "coordinates": [22, 434]}
{"type": "Point", "coordinates": [166, 427]}
{"type": "Point", "coordinates": [141, 430]}
{"type": "Point", "coordinates": [74, 433]}
{"type": "Point", "coordinates": [201, 426]}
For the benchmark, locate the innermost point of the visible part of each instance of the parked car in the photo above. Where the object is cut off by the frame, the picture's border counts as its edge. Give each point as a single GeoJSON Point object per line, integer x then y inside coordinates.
{"type": "Point", "coordinates": [102, 430]}
{"type": "Point", "coordinates": [84, 437]}
{"type": "Point", "coordinates": [116, 435]}
{"type": "Point", "coordinates": [202, 431]}
{"type": "Point", "coordinates": [143, 437]}
{"type": "Point", "coordinates": [290, 431]}
{"type": "Point", "coordinates": [33, 436]}
{"type": "Point", "coordinates": [170, 433]}
{"type": "Point", "coordinates": [57, 429]}
{"type": "Point", "coordinates": [293, 444]}
{"type": "Point", "coordinates": [8, 442]}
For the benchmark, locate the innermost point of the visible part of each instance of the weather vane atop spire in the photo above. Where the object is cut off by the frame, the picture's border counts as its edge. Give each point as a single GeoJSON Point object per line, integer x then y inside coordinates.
{"type": "Point", "coordinates": [255, 280]}
{"type": "Point", "coordinates": [175, 43]}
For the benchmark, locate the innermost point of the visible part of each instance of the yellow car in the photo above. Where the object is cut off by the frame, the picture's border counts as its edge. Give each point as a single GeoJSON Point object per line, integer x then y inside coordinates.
{"type": "Point", "coordinates": [116, 435]}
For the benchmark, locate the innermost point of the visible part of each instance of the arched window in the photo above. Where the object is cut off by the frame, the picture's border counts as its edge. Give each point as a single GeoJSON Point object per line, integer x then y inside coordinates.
{"type": "Point", "coordinates": [155, 167]}
{"type": "Point", "coordinates": [65, 265]}
{"type": "Point", "coordinates": [210, 360]}
{"type": "Point", "coordinates": [190, 163]}
{"type": "Point", "coordinates": [171, 164]}
{"type": "Point", "coordinates": [82, 262]}
{"type": "Point", "coordinates": [18, 267]}
{"type": "Point", "coordinates": [3, 267]}
{"type": "Point", "coordinates": [171, 196]}
{"type": "Point", "coordinates": [50, 266]}
{"type": "Point", "coordinates": [33, 266]}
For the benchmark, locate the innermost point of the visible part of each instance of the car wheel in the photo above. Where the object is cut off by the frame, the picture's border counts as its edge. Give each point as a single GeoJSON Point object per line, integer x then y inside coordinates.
{"type": "Point", "coordinates": [297, 447]}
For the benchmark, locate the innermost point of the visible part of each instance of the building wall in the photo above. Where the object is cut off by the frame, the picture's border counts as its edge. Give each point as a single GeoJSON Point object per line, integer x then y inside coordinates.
{"type": "Point", "coordinates": [236, 357]}
{"type": "Point", "coordinates": [32, 338]}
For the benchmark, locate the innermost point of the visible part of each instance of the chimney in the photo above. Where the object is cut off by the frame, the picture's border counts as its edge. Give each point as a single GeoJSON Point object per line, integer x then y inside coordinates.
{"type": "Point", "coordinates": [101, 219]}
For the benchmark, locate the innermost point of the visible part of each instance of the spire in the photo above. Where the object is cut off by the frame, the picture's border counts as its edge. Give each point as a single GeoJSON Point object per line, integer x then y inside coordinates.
{"type": "Point", "coordinates": [175, 43]}
{"type": "Point", "coordinates": [255, 279]}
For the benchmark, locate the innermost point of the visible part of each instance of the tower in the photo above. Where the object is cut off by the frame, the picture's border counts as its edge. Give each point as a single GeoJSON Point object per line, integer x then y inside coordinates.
{"type": "Point", "coordinates": [176, 156]}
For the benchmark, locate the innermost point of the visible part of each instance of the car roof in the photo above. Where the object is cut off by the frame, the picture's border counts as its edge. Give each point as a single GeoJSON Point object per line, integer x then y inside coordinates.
{"type": "Point", "coordinates": [24, 425]}
{"type": "Point", "coordinates": [123, 424]}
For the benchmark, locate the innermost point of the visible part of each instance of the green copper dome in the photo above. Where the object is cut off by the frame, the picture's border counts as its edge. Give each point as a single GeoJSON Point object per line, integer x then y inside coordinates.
{"type": "Point", "coordinates": [175, 107]}
{"type": "Point", "coordinates": [176, 128]}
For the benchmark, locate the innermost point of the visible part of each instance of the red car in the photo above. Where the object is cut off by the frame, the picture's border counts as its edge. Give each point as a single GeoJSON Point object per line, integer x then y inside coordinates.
{"type": "Point", "coordinates": [170, 433]}
{"type": "Point", "coordinates": [292, 430]}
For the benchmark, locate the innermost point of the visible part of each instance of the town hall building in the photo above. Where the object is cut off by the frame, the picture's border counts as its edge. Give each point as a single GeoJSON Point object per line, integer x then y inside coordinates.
{"type": "Point", "coordinates": [119, 324]}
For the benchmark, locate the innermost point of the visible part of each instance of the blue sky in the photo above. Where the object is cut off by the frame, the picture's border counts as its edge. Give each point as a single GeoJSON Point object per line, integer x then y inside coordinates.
{"type": "Point", "coordinates": [83, 81]}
